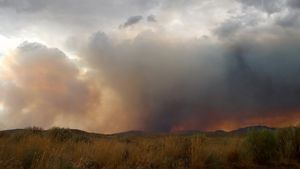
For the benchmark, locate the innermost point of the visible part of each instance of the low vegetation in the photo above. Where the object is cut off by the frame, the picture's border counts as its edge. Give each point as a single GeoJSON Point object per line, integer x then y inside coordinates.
{"type": "Point", "coordinates": [57, 148]}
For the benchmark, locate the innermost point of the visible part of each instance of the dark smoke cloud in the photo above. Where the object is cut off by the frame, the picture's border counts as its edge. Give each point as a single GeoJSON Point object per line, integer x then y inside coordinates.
{"type": "Point", "coordinates": [200, 85]}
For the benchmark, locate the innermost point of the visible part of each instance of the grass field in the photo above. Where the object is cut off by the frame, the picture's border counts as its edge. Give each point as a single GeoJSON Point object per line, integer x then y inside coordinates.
{"type": "Point", "coordinates": [58, 148]}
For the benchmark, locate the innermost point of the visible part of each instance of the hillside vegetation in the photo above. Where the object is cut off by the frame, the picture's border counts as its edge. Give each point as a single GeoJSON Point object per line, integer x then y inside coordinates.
{"type": "Point", "coordinates": [58, 148]}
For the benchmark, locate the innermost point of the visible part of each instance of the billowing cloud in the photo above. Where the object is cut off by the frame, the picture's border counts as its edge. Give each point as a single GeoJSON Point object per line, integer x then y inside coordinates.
{"type": "Point", "coordinates": [40, 85]}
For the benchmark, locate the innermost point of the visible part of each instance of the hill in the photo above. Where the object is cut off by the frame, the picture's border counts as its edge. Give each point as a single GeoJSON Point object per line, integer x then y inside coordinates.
{"type": "Point", "coordinates": [59, 148]}
{"type": "Point", "coordinates": [133, 133]}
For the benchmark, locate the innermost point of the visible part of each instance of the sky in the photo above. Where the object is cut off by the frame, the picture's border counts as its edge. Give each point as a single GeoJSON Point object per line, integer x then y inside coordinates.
{"type": "Point", "coordinates": [153, 65]}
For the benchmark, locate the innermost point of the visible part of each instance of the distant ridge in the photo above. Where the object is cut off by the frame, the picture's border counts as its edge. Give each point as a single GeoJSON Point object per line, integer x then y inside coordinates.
{"type": "Point", "coordinates": [130, 133]}
{"type": "Point", "coordinates": [139, 133]}
{"type": "Point", "coordinates": [239, 131]}
{"type": "Point", "coordinates": [244, 130]}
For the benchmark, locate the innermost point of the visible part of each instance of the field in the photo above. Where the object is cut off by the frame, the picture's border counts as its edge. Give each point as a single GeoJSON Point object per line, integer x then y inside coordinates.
{"type": "Point", "coordinates": [57, 148]}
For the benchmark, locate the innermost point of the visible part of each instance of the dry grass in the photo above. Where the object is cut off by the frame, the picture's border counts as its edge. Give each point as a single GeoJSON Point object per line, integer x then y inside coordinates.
{"type": "Point", "coordinates": [35, 150]}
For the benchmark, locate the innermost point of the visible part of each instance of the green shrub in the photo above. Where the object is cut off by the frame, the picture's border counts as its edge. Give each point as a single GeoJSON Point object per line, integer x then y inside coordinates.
{"type": "Point", "coordinates": [262, 145]}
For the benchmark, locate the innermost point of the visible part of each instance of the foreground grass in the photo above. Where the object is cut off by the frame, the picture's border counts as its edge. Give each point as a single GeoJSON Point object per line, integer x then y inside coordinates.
{"type": "Point", "coordinates": [62, 149]}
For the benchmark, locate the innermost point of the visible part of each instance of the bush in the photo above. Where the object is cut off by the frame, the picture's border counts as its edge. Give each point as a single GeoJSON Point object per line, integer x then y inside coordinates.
{"type": "Point", "coordinates": [262, 145]}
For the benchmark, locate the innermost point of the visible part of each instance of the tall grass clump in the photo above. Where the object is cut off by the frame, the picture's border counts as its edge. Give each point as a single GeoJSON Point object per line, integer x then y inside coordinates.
{"type": "Point", "coordinates": [298, 143]}
{"type": "Point", "coordinates": [287, 143]}
{"type": "Point", "coordinates": [64, 134]}
{"type": "Point", "coordinates": [34, 129]}
{"type": "Point", "coordinates": [213, 161]}
{"type": "Point", "coordinates": [262, 145]}
{"type": "Point", "coordinates": [28, 157]}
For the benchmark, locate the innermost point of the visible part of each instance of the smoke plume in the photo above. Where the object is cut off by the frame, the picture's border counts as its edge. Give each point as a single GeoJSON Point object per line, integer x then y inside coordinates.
{"type": "Point", "coordinates": [154, 84]}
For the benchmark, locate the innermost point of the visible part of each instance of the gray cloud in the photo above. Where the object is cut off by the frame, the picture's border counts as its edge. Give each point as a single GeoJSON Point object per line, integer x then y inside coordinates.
{"type": "Point", "coordinates": [252, 21]}
{"type": "Point", "coordinates": [132, 21]}
{"type": "Point", "coordinates": [24, 5]}
{"type": "Point", "coordinates": [291, 19]}
{"type": "Point", "coordinates": [264, 5]}
{"type": "Point", "coordinates": [91, 6]}
{"type": "Point", "coordinates": [293, 3]}
{"type": "Point", "coordinates": [76, 16]}
{"type": "Point", "coordinates": [151, 18]}
{"type": "Point", "coordinates": [237, 24]}
{"type": "Point", "coordinates": [228, 28]}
